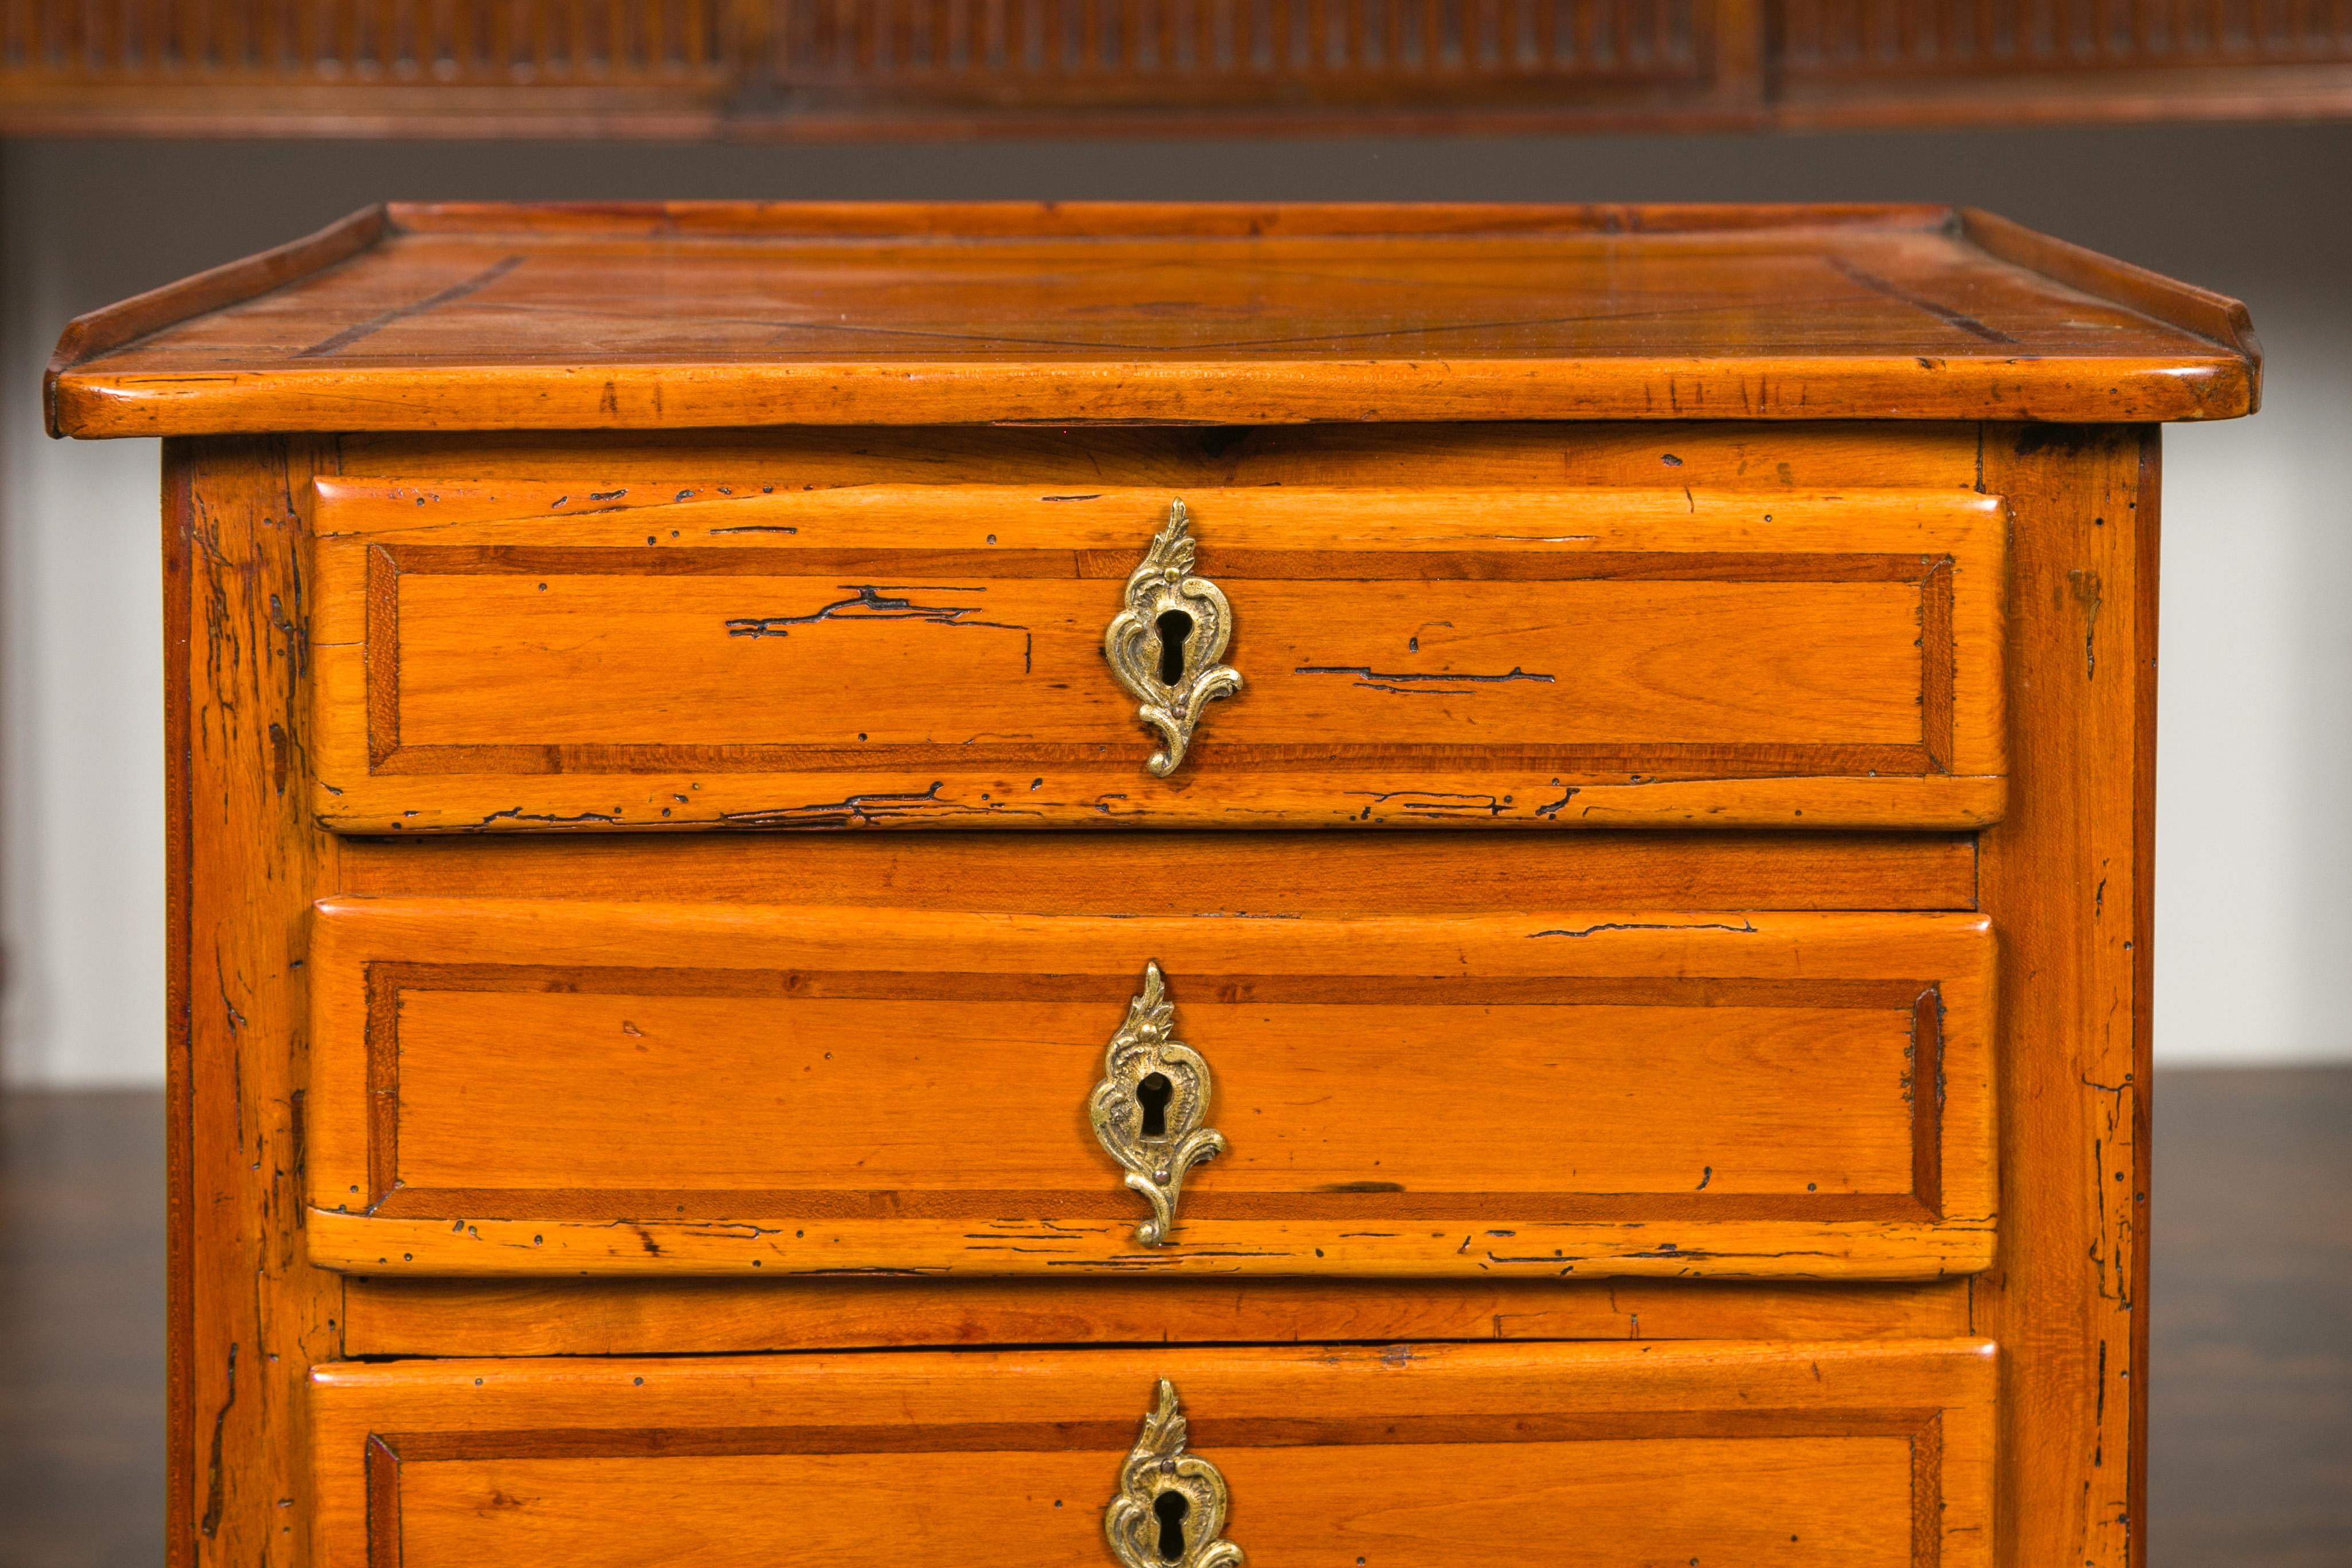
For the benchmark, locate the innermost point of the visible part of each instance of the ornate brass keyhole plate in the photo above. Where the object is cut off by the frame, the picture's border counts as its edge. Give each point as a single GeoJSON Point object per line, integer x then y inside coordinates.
{"type": "Point", "coordinates": [1165, 645]}
{"type": "Point", "coordinates": [1150, 1108]}
{"type": "Point", "coordinates": [1171, 1505]}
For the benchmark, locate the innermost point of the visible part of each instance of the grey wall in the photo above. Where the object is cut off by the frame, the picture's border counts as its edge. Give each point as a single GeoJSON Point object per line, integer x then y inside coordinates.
{"type": "Point", "coordinates": [2253, 843]}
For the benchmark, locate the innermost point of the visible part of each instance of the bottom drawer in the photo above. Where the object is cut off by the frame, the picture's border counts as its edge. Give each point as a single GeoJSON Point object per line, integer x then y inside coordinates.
{"type": "Point", "coordinates": [1830, 1455]}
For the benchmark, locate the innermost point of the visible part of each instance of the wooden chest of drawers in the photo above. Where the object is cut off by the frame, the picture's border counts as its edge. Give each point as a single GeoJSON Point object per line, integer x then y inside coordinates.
{"type": "Point", "coordinates": [1160, 886]}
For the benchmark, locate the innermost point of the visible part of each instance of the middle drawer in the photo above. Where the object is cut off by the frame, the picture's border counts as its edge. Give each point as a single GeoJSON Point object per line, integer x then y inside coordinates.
{"type": "Point", "coordinates": [514, 1087]}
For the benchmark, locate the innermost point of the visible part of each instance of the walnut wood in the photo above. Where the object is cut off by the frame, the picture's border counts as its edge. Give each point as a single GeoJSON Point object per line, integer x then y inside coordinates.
{"type": "Point", "coordinates": [1786, 1453]}
{"type": "Point", "coordinates": [1740, 1100]}
{"type": "Point", "coordinates": [2192, 310]}
{"type": "Point", "coordinates": [740, 315]}
{"type": "Point", "coordinates": [243, 862]}
{"type": "Point", "coordinates": [2062, 876]}
{"type": "Point", "coordinates": [509, 1317]}
{"type": "Point", "coordinates": [1428, 872]}
{"type": "Point", "coordinates": [2061, 879]}
{"type": "Point", "coordinates": [231, 283]}
{"type": "Point", "coordinates": [819, 68]}
{"type": "Point", "coordinates": [512, 657]}
{"type": "Point", "coordinates": [1774, 457]}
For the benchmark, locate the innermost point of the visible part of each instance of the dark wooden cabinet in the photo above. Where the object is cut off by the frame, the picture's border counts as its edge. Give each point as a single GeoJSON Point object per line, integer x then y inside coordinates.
{"type": "Point", "coordinates": [1411, 872]}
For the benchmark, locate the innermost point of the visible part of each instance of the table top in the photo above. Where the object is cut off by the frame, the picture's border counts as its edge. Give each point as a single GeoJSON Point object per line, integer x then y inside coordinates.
{"type": "Point", "coordinates": [730, 314]}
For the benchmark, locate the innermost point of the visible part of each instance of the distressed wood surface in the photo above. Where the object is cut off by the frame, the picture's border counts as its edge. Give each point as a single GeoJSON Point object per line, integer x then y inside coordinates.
{"type": "Point", "coordinates": [504, 1086]}
{"type": "Point", "coordinates": [620, 1316]}
{"type": "Point", "coordinates": [1790, 456]}
{"type": "Point", "coordinates": [248, 1314]}
{"type": "Point", "coordinates": [2061, 884]}
{"type": "Point", "coordinates": [1428, 871]}
{"type": "Point", "coordinates": [712, 315]}
{"type": "Point", "coordinates": [1856, 1456]}
{"type": "Point", "coordinates": [497, 656]}
{"type": "Point", "coordinates": [2064, 879]}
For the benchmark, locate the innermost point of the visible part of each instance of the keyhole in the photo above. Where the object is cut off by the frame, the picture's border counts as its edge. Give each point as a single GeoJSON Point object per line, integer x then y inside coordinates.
{"type": "Point", "coordinates": [1153, 1094]}
{"type": "Point", "coordinates": [1175, 625]}
{"type": "Point", "coordinates": [1170, 1507]}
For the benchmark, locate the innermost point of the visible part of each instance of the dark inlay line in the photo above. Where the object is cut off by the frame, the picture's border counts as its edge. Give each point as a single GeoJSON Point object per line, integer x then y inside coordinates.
{"type": "Point", "coordinates": [1076, 1227]}
{"type": "Point", "coordinates": [1389, 680]}
{"type": "Point", "coordinates": [1893, 996]}
{"type": "Point", "coordinates": [1102, 766]}
{"type": "Point", "coordinates": [897, 566]}
{"type": "Point", "coordinates": [1944, 314]}
{"type": "Point", "coordinates": [1116, 1435]}
{"type": "Point", "coordinates": [373, 325]}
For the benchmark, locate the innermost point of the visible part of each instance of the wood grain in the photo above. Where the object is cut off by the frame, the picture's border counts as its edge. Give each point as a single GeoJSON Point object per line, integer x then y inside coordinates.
{"type": "Point", "coordinates": [1431, 871]}
{"type": "Point", "coordinates": [728, 314]}
{"type": "Point", "coordinates": [1774, 325]}
{"type": "Point", "coordinates": [503, 657]}
{"type": "Point", "coordinates": [2063, 878]}
{"type": "Point", "coordinates": [1768, 456]}
{"type": "Point", "coordinates": [501, 1086]}
{"type": "Point", "coordinates": [420, 1317]}
{"type": "Point", "coordinates": [1813, 1453]}
{"type": "Point", "coordinates": [247, 1313]}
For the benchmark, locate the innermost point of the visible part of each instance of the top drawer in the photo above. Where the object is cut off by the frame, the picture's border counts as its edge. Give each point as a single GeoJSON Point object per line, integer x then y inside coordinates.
{"type": "Point", "coordinates": [531, 656]}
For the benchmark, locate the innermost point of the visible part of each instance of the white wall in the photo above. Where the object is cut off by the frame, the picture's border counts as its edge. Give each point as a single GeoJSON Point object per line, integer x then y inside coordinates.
{"type": "Point", "coordinates": [2253, 842]}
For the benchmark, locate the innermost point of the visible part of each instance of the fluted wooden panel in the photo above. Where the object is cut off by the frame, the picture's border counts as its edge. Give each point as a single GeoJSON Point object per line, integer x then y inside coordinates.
{"type": "Point", "coordinates": [507, 42]}
{"type": "Point", "coordinates": [1176, 41]}
{"type": "Point", "coordinates": [1931, 37]}
{"type": "Point", "coordinates": [786, 67]}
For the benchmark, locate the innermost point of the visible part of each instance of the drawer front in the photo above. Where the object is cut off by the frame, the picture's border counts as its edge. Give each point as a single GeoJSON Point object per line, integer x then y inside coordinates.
{"type": "Point", "coordinates": [541, 656]}
{"type": "Point", "coordinates": [515, 1086]}
{"type": "Point", "coordinates": [1770, 1455]}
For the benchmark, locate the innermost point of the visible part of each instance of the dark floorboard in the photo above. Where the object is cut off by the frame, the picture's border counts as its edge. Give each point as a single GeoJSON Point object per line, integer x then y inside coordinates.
{"type": "Point", "coordinates": [2251, 1442]}
{"type": "Point", "coordinates": [81, 1330]}
{"type": "Point", "coordinates": [2250, 1455]}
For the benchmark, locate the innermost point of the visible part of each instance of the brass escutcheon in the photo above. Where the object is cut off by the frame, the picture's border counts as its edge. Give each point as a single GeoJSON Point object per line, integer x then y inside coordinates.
{"type": "Point", "coordinates": [1148, 1109]}
{"type": "Point", "coordinates": [1165, 645]}
{"type": "Point", "coordinates": [1171, 1505]}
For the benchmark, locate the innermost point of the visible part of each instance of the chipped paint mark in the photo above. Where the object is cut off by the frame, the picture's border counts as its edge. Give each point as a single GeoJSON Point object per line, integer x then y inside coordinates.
{"type": "Point", "coordinates": [547, 819]}
{"type": "Point", "coordinates": [869, 602]}
{"type": "Point", "coordinates": [1554, 808]}
{"type": "Point", "coordinates": [868, 811]}
{"type": "Point", "coordinates": [1409, 684]}
{"type": "Point", "coordinates": [1429, 803]}
{"type": "Point", "coordinates": [1744, 927]}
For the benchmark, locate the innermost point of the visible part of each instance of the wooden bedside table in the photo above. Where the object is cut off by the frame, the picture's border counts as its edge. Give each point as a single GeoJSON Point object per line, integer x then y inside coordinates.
{"type": "Point", "coordinates": [1403, 885]}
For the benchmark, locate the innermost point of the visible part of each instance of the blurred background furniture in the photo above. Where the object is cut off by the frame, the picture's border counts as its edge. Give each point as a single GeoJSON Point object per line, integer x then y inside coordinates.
{"type": "Point", "coordinates": [2166, 130]}
{"type": "Point", "coordinates": [762, 68]}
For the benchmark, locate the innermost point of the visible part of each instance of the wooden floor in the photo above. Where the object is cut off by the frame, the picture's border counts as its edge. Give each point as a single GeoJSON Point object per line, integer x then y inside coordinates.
{"type": "Point", "coordinates": [2250, 1455]}
{"type": "Point", "coordinates": [2251, 1461]}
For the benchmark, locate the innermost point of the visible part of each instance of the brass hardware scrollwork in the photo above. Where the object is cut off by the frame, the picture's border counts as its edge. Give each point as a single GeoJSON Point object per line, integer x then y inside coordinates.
{"type": "Point", "coordinates": [1148, 1109]}
{"type": "Point", "coordinates": [1171, 1505]}
{"type": "Point", "coordinates": [1164, 646]}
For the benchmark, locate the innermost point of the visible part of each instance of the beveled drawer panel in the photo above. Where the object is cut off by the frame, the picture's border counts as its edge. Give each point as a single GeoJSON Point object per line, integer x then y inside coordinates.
{"type": "Point", "coordinates": [510, 1086]}
{"type": "Point", "coordinates": [541, 655]}
{"type": "Point", "coordinates": [1770, 1455]}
